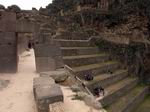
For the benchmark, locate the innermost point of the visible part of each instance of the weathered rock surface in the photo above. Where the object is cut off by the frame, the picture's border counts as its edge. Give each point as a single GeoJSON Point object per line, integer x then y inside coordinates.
{"type": "Point", "coordinates": [57, 107]}
{"type": "Point", "coordinates": [58, 76]}
{"type": "Point", "coordinates": [46, 95]}
{"type": "Point", "coordinates": [42, 81]}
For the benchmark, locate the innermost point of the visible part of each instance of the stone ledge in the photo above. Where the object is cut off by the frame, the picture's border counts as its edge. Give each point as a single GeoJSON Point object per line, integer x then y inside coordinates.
{"type": "Point", "coordinates": [41, 81]}
{"type": "Point", "coordinates": [46, 95]}
{"type": "Point", "coordinates": [46, 92]}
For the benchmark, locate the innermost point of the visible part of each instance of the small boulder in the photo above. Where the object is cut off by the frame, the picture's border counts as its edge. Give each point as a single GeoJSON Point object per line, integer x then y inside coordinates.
{"type": "Point", "coordinates": [14, 8]}
{"type": "Point", "coordinates": [61, 78]}
{"type": "Point", "coordinates": [58, 76]}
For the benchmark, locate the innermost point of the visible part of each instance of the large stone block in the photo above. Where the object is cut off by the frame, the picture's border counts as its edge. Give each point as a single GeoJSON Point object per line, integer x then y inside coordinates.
{"type": "Point", "coordinates": [8, 16]}
{"type": "Point", "coordinates": [47, 50]}
{"type": "Point", "coordinates": [9, 23]}
{"type": "Point", "coordinates": [8, 64]}
{"type": "Point", "coordinates": [41, 81]}
{"type": "Point", "coordinates": [48, 57]}
{"type": "Point", "coordinates": [25, 26]}
{"type": "Point", "coordinates": [8, 37]}
{"type": "Point", "coordinates": [8, 26]}
{"type": "Point", "coordinates": [59, 62]}
{"type": "Point", "coordinates": [46, 95]}
{"type": "Point", "coordinates": [8, 51]}
{"type": "Point", "coordinates": [45, 64]}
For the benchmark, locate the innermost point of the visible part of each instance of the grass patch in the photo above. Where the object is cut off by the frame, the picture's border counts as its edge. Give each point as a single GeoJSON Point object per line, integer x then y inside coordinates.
{"type": "Point", "coordinates": [145, 106]}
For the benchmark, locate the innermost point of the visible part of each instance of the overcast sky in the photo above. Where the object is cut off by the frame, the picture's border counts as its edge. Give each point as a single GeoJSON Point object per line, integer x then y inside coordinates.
{"type": "Point", "coordinates": [26, 4]}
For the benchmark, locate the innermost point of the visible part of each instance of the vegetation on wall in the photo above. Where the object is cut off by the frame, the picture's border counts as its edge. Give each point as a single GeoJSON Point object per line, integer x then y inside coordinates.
{"type": "Point", "coordinates": [128, 7]}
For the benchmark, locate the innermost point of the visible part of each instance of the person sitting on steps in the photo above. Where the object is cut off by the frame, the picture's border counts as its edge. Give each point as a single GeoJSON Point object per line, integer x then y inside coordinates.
{"type": "Point", "coordinates": [29, 45]}
{"type": "Point", "coordinates": [88, 77]}
{"type": "Point", "coordinates": [98, 90]}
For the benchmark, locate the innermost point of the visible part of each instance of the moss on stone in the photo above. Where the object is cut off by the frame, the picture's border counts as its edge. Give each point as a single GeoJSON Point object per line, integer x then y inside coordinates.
{"type": "Point", "coordinates": [118, 105]}
{"type": "Point", "coordinates": [145, 106]}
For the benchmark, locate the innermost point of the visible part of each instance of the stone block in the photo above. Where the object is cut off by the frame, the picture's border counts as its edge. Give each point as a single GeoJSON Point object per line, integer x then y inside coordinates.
{"type": "Point", "coordinates": [8, 16]}
{"type": "Point", "coordinates": [47, 50]}
{"type": "Point", "coordinates": [8, 37]}
{"type": "Point", "coordinates": [59, 76]}
{"type": "Point", "coordinates": [45, 64]}
{"type": "Point", "coordinates": [8, 64]}
{"type": "Point", "coordinates": [46, 95]}
{"type": "Point", "coordinates": [59, 62]}
{"type": "Point", "coordinates": [8, 51]}
{"type": "Point", "coordinates": [41, 81]}
{"type": "Point", "coordinates": [48, 57]}
{"type": "Point", "coordinates": [25, 26]}
{"type": "Point", "coordinates": [8, 26]}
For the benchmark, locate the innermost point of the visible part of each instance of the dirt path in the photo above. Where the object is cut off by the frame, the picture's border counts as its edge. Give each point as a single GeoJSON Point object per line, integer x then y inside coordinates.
{"type": "Point", "coordinates": [18, 96]}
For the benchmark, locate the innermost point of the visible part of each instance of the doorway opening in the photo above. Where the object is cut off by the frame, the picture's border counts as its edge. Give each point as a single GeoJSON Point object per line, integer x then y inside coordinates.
{"type": "Point", "coordinates": [26, 57]}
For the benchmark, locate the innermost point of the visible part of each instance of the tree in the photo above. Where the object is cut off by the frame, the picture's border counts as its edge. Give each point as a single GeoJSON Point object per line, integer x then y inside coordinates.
{"type": "Point", "coordinates": [2, 6]}
{"type": "Point", "coordinates": [14, 8]}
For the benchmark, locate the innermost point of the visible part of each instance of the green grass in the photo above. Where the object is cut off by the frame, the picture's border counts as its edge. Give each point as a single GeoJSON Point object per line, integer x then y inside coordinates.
{"type": "Point", "coordinates": [145, 106]}
{"type": "Point", "coordinates": [123, 100]}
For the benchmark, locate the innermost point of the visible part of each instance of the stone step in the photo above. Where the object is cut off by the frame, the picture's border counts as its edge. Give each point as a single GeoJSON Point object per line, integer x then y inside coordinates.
{"type": "Point", "coordinates": [75, 43]}
{"type": "Point", "coordinates": [143, 106]}
{"type": "Point", "coordinates": [73, 51]}
{"type": "Point", "coordinates": [117, 90]}
{"type": "Point", "coordinates": [95, 69]}
{"type": "Point", "coordinates": [45, 30]}
{"type": "Point", "coordinates": [47, 34]}
{"type": "Point", "coordinates": [80, 60]}
{"type": "Point", "coordinates": [72, 36]}
{"type": "Point", "coordinates": [106, 79]}
{"type": "Point", "coordinates": [129, 101]}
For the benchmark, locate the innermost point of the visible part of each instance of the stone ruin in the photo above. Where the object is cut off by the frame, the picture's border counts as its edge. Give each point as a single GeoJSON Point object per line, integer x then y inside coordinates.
{"type": "Point", "coordinates": [9, 30]}
{"type": "Point", "coordinates": [116, 62]}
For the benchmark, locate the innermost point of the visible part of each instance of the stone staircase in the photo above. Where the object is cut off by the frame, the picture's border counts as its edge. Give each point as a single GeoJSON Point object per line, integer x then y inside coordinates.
{"type": "Point", "coordinates": [121, 90]}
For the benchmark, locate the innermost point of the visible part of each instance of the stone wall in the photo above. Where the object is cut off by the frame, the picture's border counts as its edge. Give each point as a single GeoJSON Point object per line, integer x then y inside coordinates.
{"type": "Point", "coordinates": [46, 92]}
{"type": "Point", "coordinates": [132, 55]}
{"type": "Point", "coordinates": [47, 57]}
{"type": "Point", "coordinates": [10, 26]}
{"type": "Point", "coordinates": [8, 43]}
